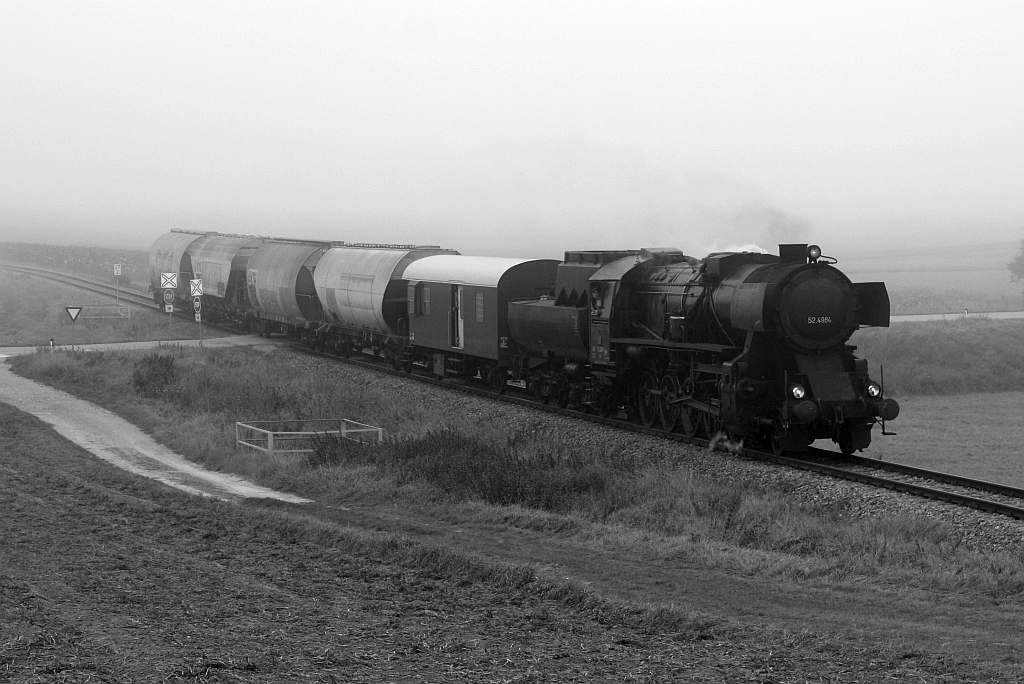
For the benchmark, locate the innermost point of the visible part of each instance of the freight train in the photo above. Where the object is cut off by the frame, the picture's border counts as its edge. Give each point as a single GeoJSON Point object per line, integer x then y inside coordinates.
{"type": "Point", "coordinates": [747, 344]}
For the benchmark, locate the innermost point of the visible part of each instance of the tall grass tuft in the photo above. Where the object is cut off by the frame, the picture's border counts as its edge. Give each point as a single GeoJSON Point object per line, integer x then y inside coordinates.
{"type": "Point", "coordinates": [153, 374]}
{"type": "Point", "coordinates": [526, 471]}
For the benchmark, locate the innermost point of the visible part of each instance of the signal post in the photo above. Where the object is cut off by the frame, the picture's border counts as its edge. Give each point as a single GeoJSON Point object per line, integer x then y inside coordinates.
{"type": "Point", "coordinates": [196, 286]}
{"type": "Point", "coordinates": [169, 282]}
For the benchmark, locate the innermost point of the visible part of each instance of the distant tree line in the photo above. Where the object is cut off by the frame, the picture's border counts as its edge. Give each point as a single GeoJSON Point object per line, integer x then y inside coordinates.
{"type": "Point", "coordinates": [1017, 265]}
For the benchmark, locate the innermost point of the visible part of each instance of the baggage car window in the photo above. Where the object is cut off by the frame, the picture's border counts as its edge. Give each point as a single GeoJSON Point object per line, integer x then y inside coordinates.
{"type": "Point", "coordinates": [415, 295]}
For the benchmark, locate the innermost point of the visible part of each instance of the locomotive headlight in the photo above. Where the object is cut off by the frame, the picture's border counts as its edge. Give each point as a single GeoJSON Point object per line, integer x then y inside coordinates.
{"type": "Point", "coordinates": [874, 390]}
{"type": "Point", "coordinates": [797, 391]}
{"type": "Point", "coordinates": [813, 253]}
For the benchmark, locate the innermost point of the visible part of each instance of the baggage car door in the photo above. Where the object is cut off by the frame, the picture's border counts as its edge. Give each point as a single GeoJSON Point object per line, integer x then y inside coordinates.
{"type": "Point", "coordinates": [456, 324]}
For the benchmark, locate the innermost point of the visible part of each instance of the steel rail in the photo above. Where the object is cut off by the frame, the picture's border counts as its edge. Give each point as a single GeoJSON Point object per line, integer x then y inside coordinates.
{"type": "Point", "coordinates": [81, 282]}
{"type": "Point", "coordinates": [935, 475]}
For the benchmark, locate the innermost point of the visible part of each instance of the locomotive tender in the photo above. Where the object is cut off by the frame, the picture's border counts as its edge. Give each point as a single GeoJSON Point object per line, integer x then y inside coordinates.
{"type": "Point", "coordinates": [749, 344]}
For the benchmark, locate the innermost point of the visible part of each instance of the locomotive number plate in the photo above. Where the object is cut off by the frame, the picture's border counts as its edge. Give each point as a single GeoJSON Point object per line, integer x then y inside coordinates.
{"type": "Point", "coordinates": [819, 319]}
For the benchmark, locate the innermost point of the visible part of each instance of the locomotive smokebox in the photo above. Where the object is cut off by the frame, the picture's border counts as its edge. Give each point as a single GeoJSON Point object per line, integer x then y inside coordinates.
{"type": "Point", "coordinates": [811, 306]}
{"type": "Point", "coordinates": [817, 308]}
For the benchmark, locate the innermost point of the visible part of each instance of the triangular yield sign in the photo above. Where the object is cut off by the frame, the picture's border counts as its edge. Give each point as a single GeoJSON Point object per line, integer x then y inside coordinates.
{"type": "Point", "coordinates": [73, 311]}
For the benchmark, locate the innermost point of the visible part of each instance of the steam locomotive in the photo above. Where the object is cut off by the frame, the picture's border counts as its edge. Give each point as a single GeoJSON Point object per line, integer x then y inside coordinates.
{"type": "Point", "coordinates": [747, 344]}
{"type": "Point", "coordinates": [753, 345]}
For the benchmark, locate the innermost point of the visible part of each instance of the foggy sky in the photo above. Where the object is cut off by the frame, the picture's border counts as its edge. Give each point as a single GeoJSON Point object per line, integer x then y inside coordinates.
{"type": "Point", "coordinates": [514, 128]}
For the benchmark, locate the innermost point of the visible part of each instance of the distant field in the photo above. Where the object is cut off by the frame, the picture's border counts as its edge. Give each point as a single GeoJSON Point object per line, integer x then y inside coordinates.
{"type": "Point", "coordinates": [94, 262]}
{"type": "Point", "coordinates": [941, 279]}
{"type": "Point", "coordinates": [977, 435]}
{"type": "Point", "coordinates": [32, 312]}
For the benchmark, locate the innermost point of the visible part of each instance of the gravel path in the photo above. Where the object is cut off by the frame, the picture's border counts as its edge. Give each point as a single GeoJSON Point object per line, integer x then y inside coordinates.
{"type": "Point", "coordinates": [117, 441]}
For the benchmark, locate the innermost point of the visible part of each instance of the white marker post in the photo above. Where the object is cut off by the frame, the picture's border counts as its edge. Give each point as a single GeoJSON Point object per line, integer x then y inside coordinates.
{"type": "Point", "coordinates": [197, 304]}
{"type": "Point", "coordinates": [169, 283]}
{"type": "Point", "coordinates": [117, 281]}
{"type": "Point", "coordinates": [73, 312]}
{"type": "Point", "coordinates": [196, 287]}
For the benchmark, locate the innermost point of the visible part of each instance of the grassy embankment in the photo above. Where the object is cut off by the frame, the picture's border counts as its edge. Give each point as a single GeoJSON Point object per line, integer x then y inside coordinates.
{"type": "Point", "coordinates": [461, 468]}
{"type": "Point", "coordinates": [946, 357]}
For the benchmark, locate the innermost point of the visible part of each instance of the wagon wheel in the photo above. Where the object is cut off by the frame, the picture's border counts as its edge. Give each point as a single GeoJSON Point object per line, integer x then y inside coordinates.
{"type": "Point", "coordinates": [648, 398]}
{"type": "Point", "coordinates": [600, 403]}
{"type": "Point", "coordinates": [498, 380]}
{"type": "Point", "coordinates": [603, 403]}
{"type": "Point", "coordinates": [670, 389]}
{"type": "Point", "coordinates": [712, 424]}
{"type": "Point", "coordinates": [545, 390]}
{"type": "Point", "coordinates": [533, 388]}
{"type": "Point", "coordinates": [845, 440]}
{"type": "Point", "coordinates": [689, 416]}
{"type": "Point", "coordinates": [563, 392]}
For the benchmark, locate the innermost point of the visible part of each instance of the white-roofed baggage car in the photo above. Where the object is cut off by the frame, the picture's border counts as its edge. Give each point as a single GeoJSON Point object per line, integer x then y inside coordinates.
{"type": "Point", "coordinates": [280, 284]}
{"type": "Point", "coordinates": [458, 311]}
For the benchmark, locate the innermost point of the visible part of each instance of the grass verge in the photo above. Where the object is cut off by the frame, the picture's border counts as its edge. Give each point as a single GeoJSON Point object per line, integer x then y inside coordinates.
{"type": "Point", "coordinates": [527, 475]}
{"type": "Point", "coordinates": [946, 357]}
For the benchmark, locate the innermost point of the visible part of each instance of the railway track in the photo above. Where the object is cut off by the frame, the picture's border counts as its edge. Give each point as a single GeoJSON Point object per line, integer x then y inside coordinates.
{"type": "Point", "coordinates": [955, 489]}
{"type": "Point", "coordinates": [139, 299]}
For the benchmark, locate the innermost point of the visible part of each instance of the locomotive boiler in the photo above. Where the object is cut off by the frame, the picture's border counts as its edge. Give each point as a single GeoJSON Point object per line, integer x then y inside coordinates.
{"type": "Point", "coordinates": [753, 345]}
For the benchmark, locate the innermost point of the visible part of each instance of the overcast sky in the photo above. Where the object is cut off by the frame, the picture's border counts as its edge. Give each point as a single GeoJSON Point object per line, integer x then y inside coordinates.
{"type": "Point", "coordinates": [514, 128]}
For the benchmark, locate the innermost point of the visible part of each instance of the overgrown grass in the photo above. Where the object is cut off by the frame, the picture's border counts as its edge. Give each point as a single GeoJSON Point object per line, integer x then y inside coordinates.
{"type": "Point", "coordinates": [946, 357]}
{"type": "Point", "coordinates": [531, 476]}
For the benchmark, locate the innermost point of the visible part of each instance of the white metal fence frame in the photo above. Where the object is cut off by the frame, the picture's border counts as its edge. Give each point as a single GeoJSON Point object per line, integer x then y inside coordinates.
{"type": "Point", "coordinates": [272, 437]}
{"type": "Point", "coordinates": [100, 311]}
